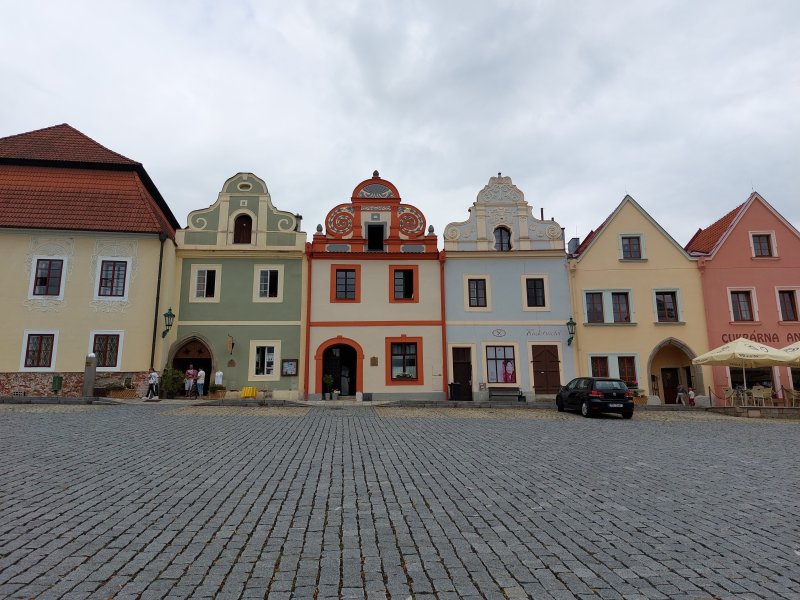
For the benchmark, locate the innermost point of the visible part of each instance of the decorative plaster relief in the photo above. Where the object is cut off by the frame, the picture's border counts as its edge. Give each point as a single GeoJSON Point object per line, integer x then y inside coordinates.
{"type": "Point", "coordinates": [49, 246]}
{"type": "Point", "coordinates": [412, 223]}
{"type": "Point", "coordinates": [340, 220]}
{"type": "Point", "coordinates": [127, 249]}
{"type": "Point", "coordinates": [500, 215]}
{"type": "Point", "coordinates": [500, 189]}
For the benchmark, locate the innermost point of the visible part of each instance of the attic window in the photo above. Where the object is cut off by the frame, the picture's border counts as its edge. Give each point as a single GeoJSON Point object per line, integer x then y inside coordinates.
{"type": "Point", "coordinates": [242, 229]}
{"type": "Point", "coordinates": [502, 239]}
{"type": "Point", "coordinates": [245, 187]}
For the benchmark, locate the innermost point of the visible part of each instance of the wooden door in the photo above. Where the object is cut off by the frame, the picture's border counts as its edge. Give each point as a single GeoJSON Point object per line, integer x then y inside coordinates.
{"type": "Point", "coordinates": [670, 381]}
{"type": "Point", "coordinates": [462, 372]}
{"type": "Point", "coordinates": [546, 371]}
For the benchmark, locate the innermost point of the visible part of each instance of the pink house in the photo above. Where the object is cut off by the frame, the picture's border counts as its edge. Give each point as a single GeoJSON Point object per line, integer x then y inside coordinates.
{"type": "Point", "coordinates": [750, 269]}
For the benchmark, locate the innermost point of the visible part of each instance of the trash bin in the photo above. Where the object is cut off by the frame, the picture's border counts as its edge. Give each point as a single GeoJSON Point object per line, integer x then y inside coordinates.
{"type": "Point", "coordinates": [366, 397]}
{"type": "Point", "coordinates": [58, 383]}
{"type": "Point", "coordinates": [455, 391]}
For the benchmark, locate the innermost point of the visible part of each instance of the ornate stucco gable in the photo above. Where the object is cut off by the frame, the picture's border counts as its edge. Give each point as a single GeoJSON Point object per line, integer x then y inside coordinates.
{"type": "Point", "coordinates": [501, 204]}
{"type": "Point", "coordinates": [244, 203]}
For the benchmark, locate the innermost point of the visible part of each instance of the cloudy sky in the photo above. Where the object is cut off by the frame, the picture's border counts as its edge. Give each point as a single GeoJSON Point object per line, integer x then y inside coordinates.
{"type": "Point", "coordinates": [688, 106]}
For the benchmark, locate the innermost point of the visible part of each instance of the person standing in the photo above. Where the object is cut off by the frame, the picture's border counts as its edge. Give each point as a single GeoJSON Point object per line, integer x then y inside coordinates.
{"type": "Point", "coordinates": [188, 379]}
{"type": "Point", "coordinates": [201, 381]}
{"type": "Point", "coordinates": [152, 384]}
{"type": "Point", "coordinates": [682, 393]}
{"type": "Point", "coordinates": [691, 396]}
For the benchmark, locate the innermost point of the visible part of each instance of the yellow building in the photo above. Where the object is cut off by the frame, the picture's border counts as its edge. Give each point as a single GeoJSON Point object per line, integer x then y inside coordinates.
{"type": "Point", "coordinates": [88, 247]}
{"type": "Point", "coordinates": [638, 303]}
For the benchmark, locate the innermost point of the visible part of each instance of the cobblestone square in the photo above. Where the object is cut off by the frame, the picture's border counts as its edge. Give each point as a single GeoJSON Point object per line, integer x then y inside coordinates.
{"type": "Point", "coordinates": [161, 501]}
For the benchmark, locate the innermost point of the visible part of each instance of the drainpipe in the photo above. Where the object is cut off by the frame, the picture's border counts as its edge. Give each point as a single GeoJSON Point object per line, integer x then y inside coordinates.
{"type": "Point", "coordinates": [162, 237]}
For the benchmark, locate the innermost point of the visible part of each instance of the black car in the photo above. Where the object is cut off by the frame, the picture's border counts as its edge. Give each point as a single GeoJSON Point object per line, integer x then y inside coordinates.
{"type": "Point", "coordinates": [595, 395]}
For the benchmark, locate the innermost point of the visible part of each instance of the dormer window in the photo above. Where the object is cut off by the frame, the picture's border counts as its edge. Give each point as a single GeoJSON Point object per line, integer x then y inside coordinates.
{"type": "Point", "coordinates": [375, 237]}
{"type": "Point", "coordinates": [502, 239]}
{"type": "Point", "coordinates": [242, 229]}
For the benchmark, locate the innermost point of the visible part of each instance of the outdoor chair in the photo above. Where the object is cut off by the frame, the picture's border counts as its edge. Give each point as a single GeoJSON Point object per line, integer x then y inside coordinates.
{"type": "Point", "coordinates": [792, 397]}
{"type": "Point", "coordinates": [760, 395]}
{"type": "Point", "coordinates": [730, 396]}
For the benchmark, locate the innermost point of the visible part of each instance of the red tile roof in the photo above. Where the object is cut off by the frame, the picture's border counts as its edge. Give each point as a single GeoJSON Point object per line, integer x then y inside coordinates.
{"type": "Point", "coordinates": [705, 240]}
{"type": "Point", "coordinates": [78, 199]}
{"type": "Point", "coordinates": [59, 178]}
{"type": "Point", "coordinates": [589, 237]}
{"type": "Point", "coordinates": [60, 143]}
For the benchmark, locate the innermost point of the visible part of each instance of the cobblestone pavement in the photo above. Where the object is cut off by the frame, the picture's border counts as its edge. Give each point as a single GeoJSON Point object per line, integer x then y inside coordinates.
{"type": "Point", "coordinates": [156, 501]}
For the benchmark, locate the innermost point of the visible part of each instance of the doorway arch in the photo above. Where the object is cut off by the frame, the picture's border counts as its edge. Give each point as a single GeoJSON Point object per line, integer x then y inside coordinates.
{"type": "Point", "coordinates": [344, 359]}
{"type": "Point", "coordinates": [193, 350]}
{"type": "Point", "coordinates": [680, 369]}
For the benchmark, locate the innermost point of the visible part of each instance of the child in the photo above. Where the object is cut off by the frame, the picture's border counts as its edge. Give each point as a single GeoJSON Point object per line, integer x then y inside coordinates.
{"type": "Point", "coordinates": [691, 396]}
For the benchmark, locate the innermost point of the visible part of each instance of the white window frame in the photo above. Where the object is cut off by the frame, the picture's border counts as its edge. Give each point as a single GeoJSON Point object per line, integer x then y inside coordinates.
{"type": "Point", "coordinates": [26, 334]}
{"type": "Point", "coordinates": [276, 370]}
{"type": "Point", "coordinates": [90, 350]}
{"type": "Point", "coordinates": [524, 285]}
{"type": "Point", "coordinates": [678, 305]}
{"type": "Point", "coordinates": [642, 246]}
{"type": "Point", "coordinates": [257, 269]}
{"type": "Point", "coordinates": [753, 307]}
{"type": "Point", "coordinates": [193, 297]}
{"type": "Point", "coordinates": [485, 363]}
{"type": "Point", "coordinates": [608, 306]}
{"type": "Point", "coordinates": [98, 272]}
{"type": "Point", "coordinates": [787, 288]}
{"type": "Point", "coordinates": [487, 278]}
{"type": "Point", "coordinates": [32, 284]}
{"type": "Point", "coordinates": [613, 364]}
{"type": "Point", "coordinates": [773, 244]}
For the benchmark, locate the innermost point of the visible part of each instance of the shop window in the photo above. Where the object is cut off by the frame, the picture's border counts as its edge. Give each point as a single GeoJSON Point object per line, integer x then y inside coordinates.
{"type": "Point", "coordinates": [500, 364]}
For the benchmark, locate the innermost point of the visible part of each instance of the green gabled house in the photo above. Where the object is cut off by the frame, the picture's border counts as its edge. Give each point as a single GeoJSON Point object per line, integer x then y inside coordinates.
{"type": "Point", "coordinates": [239, 304]}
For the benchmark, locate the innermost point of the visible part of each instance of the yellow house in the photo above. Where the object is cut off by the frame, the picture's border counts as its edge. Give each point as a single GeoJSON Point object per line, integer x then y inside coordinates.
{"type": "Point", "coordinates": [638, 303]}
{"type": "Point", "coordinates": [88, 247]}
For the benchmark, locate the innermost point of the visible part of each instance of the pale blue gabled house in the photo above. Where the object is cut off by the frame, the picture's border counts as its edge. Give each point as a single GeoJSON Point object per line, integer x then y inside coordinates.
{"type": "Point", "coordinates": [507, 300]}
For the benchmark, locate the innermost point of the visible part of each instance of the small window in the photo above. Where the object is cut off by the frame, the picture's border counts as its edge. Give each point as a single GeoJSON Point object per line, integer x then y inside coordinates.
{"type": "Point", "coordinates": [534, 288]}
{"type": "Point", "coordinates": [404, 361]}
{"type": "Point", "coordinates": [762, 245]}
{"type": "Point", "coordinates": [788, 301]}
{"type": "Point", "coordinates": [594, 307]}
{"type": "Point", "coordinates": [106, 349]}
{"type": "Point", "coordinates": [242, 229]}
{"type": "Point", "coordinates": [621, 307]}
{"type": "Point", "coordinates": [375, 237]}
{"type": "Point", "coordinates": [345, 284]}
{"type": "Point", "coordinates": [500, 364]}
{"type": "Point", "coordinates": [477, 292]}
{"type": "Point", "coordinates": [631, 247]}
{"type": "Point", "coordinates": [502, 239]}
{"type": "Point", "coordinates": [742, 306]}
{"type": "Point", "coordinates": [206, 283]}
{"type": "Point", "coordinates": [403, 284]}
{"type": "Point", "coordinates": [112, 278]}
{"type": "Point", "coordinates": [268, 283]}
{"type": "Point", "coordinates": [667, 307]}
{"type": "Point", "coordinates": [264, 360]}
{"type": "Point", "coordinates": [47, 281]}
{"type": "Point", "coordinates": [599, 366]}
{"type": "Point", "coordinates": [39, 350]}
{"type": "Point", "coordinates": [627, 370]}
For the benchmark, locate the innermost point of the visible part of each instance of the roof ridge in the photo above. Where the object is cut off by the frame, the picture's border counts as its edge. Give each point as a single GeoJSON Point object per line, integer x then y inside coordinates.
{"type": "Point", "coordinates": [60, 143]}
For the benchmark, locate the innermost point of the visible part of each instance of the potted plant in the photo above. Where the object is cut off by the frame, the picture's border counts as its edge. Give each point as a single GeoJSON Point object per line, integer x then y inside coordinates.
{"type": "Point", "coordinates": [171, 383]}
{"type": "Point", "coordinates": [327, 382]}
{"type": "Point", "coordinates": [335, 394]}
{"type": "Point", "coordinates": [216, 391]}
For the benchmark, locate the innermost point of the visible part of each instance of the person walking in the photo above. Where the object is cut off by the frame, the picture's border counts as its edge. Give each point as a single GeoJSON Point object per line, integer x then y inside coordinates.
{"type": "Point", "coordinates": [152, 384]}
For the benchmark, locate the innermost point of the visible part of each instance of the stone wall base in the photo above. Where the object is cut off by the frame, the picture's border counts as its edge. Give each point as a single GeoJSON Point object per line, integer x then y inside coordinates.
{"type": "Point", "coordinates": [41, 384]}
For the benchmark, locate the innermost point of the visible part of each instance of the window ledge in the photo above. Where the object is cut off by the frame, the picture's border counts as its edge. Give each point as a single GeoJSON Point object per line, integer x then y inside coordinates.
{"type": "Point", "coordinates": [788, 323]}
{"type": "Point", "coordinates": [669, 322]}
{"type": "Point", "coordinates": [775, 257]}
{"type": "Point", "coordinates": [745, 323]}
{"type": "Point", "coordinates": [611, 324]}
{"type": "Point", "coordinates": [633, 260]}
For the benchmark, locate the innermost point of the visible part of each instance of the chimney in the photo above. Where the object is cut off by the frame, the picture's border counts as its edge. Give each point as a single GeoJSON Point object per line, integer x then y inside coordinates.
{"type": "Point", "coordinates": [572, 245]}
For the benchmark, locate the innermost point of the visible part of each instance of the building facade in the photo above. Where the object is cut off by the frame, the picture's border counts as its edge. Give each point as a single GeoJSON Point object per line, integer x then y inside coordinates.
{"type": "Point", "coordinates": [749, 262]}
{"type": "Point", "coordinates": [508, 298]}
{"type": "Point", "coordinates": [89, 252]}
{"type": "Point", "coordinates": [375, 302]}
{"type": "Point", "coordinates": [637, 297]}
{"type": "Point", "coordinates": [239, 303]}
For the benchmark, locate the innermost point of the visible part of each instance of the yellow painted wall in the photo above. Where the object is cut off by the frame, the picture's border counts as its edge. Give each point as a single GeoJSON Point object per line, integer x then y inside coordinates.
{"type": "Point", "coordinates": [78, 313]}
{"type": "Point", "coordinates": [666, 267]}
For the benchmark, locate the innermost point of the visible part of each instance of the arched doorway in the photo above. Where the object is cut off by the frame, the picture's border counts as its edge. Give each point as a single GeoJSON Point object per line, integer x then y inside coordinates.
{"type": "Point", "coordinates": [670, 366]}
{"type": "Point", "coordinates": [341, 361]}
{"type": "Point", "coordinates": [195, 352]}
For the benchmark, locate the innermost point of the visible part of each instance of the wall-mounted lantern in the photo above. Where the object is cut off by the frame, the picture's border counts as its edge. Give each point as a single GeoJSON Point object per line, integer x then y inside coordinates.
{"type": "Point", "coordinates": [169, 319]}
{"type": "Point", "coordinates": [571, 330]}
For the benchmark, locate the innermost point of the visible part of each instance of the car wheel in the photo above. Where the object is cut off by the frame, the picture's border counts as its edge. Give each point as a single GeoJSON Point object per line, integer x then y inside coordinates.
{"type": "Point", "coordinates": [559, 405]}
{"type": "Point", "coordinates": [627, 414]}
{"type": "Point", "coordinates": [585, 409]}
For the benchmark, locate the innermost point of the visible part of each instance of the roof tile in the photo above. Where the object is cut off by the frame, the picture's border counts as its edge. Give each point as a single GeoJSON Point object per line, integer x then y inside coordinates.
{"type": "Point", "coordinates": [59, 143]}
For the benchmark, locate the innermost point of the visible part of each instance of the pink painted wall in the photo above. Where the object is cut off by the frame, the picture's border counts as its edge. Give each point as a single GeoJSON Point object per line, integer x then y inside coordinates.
{"type": "Point", "coordinates": [733, 266]}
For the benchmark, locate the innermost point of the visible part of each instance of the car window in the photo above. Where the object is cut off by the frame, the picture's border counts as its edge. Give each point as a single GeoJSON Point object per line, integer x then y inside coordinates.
{"type": "Point", "coordinates": [583, 384]}
{"type": "Point", "coordinates": [609, 385]}
{"type": "Point", "coordinates": [571, 385]}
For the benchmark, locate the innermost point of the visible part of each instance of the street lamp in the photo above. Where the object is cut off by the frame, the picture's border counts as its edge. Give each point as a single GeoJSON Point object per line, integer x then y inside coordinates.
{"type": "Point", "coordinates": [571, 330]}
{"type": "Point", "coordinates": [169, 319]}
